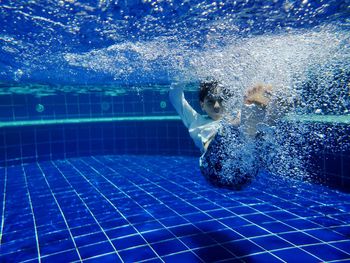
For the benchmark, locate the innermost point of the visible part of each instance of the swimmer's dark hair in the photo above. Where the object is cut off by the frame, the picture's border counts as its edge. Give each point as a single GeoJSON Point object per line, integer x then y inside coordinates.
{"type": "Point", "coordinates": [209, 87]}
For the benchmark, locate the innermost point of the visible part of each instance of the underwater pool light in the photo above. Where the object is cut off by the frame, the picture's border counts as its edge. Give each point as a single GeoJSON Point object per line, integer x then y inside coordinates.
{"type": "Point", "coordinates": [39, 108]}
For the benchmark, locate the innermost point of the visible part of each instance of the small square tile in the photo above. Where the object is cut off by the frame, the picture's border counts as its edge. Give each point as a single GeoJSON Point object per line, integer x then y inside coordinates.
{"type": "Point", "coordinates": [224, 235]}
{"type": "Point", "coordinates": [251, 231]}
{"type": "Point", "coordinates": [121, 232]}
{"type": "Point", "coordinates": [182, 257]}
{"type": "Point", "coordinates": [197, 217]}
{"type": "Point", "coordinates": [56, 246]}
{"type": "Point", "coordinates": [173, 221]}
{"type": "Point", "coordinates": [242, 248]}
{"type": "Point", "coordinates": [108, 258]}
{"type": "Point", "coordinates": [157, 235]}
{"type": "Point", "coordinates": [343, 245]}
{"type": "Point", "coordinates": [198, 241]}
{"type": "Point", "coordinates": [281, 215]}
{"type": "Point", "coordinates": [209, 226]}
{"type": "Point", "coordinates": [271, 242]}
{"type": "Point", "coordinates": [66, 256]}
{"type": "Point", "coordinates": [95, 249]}
{"type": "Point", "coordinates": [212, 254]}
{"type": "Point", "coordinates": [20, 256]}
{"type": "Point", "coordinates": [221, 213]}
{"type": "Point", "coordinates": [90, 239]}
{"type": "Point", "coordinates": [235, 222]}
{"type": "Point", "coordinates": [299, 238]}
{"type": "Point", "coordinates": [326, 235]}
{"type": "Point", "coordinates": [276, 227]}
{"type": "Point", "coordinates": [326, 253]}
{"type": "Point", "coordinates": [326, 221]}
{"type": "Point", "coordinates": [295, 255]}
{"type": "Point", "coordinates": [242, 210]}
{"type": "Point", "coordinates": [168, 247]}
{"type": "Point", "coordinates": [258, 218]}
{"type": "Point", "coordinates": [301, 224]}
{"type": "Point", "coordinates": [129, 241]}
{"type": "Point", "coordinates": [263, 258]}
{"type": "Point", "coordinates": [184, 230]}
{"type": "Point", "coordinates": [148, 226]}
{"type": "Point", "coordinates": [137, 254]}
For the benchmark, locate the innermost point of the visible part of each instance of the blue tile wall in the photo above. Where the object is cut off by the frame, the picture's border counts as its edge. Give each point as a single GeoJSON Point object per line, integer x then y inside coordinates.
{"type": "Point", "coordinates": [21, 144]}
{"type": "Point", "coordinates": [330, 162]}
{"type": "Point", "coordinates": [14, 107]}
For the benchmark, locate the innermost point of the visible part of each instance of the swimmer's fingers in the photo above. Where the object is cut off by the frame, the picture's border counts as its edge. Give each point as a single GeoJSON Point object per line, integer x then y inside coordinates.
{"type": "Point", "coordinates": [268, 93]}
{"type": "Point", "coordinates": [261, 101]}
{"type": "Point", "coordinates": [268, 88]}
{"type": "Point", "coordinates": [259, 88]}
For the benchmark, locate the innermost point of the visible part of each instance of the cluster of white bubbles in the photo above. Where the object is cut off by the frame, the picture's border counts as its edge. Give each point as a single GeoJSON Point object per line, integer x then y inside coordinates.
{"type": "Point", "coordinates": [308, 70]}
{"type": "Point", "coordinates": [310, 74]}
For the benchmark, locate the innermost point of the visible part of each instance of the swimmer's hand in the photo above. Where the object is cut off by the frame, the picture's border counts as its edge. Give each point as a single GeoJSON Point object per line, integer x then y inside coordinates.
{"type": "Point", "coordinates": [259, 95]}
{"type": "Point", "coordinates": [254, 109]}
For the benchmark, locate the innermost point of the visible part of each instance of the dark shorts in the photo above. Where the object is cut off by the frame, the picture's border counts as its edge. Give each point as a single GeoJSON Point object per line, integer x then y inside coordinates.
{"type": "Point", "coordinates": [230, 160]}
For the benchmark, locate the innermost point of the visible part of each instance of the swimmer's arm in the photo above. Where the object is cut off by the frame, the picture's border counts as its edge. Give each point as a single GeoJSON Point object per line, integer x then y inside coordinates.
{"type": "Point", "coordinates": [254, 108]}
{"type": "Point", "coordinates": [234, 121]}
{"type": "Point", "coordinates": [252, 115]}
{"type": "Point", "coordinates": [279, 107]}
{"type": "Point", "coordinates": [182, 107]}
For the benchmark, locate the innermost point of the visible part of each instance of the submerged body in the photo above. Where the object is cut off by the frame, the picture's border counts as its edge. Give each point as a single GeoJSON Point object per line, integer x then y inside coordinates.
{"type": "Point", "coordinates": [228, 145]}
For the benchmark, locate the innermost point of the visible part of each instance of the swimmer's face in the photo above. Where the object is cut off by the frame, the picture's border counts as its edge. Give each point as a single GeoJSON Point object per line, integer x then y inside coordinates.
{"type": "Point", "coordinates": [212, 105]}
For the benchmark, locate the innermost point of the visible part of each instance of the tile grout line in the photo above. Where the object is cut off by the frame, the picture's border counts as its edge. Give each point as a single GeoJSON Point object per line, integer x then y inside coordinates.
{"type": "Point", "coordinates": [298, 230]}
{"type": "Point", "coordinates": [140, 207]}
{"type": "Point", "coordinates": [78, 195]}
{"type": "Point", "coordinates": [214, 217]}
{"type": "Point", "coordinates": [224, 208]}
{"type": "Point", "coordinates": [297, 216]}
{"type": "Point", "coordinates": [164, 227]}
{"type": "Point", "coordinates": [32, 211]}
{"type": "Point", "coordinates": [62, 214]}
{"type": "Point", "coordinates": [109, 202]}
{"type": "Point", "coordinates": [182, 216]}
{"type": "Point", "coordinates": [282, 209]}
{"type": "Point", "coordinates": [3, 206]}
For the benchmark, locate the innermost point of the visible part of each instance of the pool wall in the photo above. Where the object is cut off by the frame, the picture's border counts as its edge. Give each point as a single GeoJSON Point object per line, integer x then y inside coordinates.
{"type": "Point", "coordinates": [69, 125]}
{"type": "Point", "coordinates": [40, 142]}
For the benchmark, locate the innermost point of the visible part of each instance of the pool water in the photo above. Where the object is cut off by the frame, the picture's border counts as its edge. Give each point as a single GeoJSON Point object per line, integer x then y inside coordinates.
{"type": "Point", "coordinates": [135, 208]}
{"type": "Point", "coordinates": [96, 166]}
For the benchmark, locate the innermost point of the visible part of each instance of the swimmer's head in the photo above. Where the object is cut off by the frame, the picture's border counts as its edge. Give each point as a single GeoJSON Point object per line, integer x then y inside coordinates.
{"type": "Point", "coordinates": [211, 97]}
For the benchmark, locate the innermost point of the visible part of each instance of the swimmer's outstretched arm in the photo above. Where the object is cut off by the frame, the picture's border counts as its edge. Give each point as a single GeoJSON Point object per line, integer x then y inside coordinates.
{"type": "Point", "coordinates": [182, 107]}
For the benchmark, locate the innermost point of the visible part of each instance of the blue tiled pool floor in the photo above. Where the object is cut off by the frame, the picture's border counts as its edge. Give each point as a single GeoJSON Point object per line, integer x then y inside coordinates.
{"type": "Point", "coordinates": [160, 209]}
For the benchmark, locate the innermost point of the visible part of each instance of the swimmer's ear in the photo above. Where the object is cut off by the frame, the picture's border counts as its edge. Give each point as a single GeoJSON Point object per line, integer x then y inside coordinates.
{"type": "Point", "coordinates": [202, 104]}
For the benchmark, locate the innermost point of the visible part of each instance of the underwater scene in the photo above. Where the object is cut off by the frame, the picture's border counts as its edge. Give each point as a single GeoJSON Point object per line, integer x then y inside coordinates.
{"type": "Point", "coordinates": [175, 131]}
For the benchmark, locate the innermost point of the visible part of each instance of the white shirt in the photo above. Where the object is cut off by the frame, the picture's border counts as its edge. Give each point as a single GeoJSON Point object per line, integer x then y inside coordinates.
{"type": "Point", "coordinates": [201, 128]}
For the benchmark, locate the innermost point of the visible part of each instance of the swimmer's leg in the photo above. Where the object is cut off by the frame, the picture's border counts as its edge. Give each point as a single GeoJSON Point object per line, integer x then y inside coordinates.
{"type": "Point", "coordinates": [230, 160]}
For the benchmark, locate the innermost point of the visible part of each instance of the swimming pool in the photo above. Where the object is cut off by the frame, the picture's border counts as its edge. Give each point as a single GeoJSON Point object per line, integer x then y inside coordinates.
{"type": "Point", "coordinates": [96, 166]}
